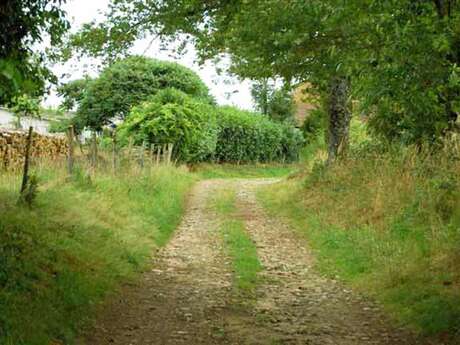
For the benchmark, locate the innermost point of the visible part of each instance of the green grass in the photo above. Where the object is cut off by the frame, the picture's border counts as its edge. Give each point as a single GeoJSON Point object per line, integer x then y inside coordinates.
{"type": "Point", "coordinates": [238, 243]}
{"type": "Point", "coordinates": [78, 242]}
{"type": "Point", "coordinates": [389, 225]}
{"type": "Point", "coordinates": [211, 171]}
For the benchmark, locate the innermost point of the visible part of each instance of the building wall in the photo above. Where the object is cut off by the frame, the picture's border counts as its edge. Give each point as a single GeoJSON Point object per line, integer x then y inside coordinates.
{"type": "Point", "coordinates": [7, 121]}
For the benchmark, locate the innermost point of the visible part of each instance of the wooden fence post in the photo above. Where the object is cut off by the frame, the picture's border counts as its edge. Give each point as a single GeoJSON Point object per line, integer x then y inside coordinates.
{"type": "Point", "coordinates": [158, 154]}
{"type": "Point", "coordinates": [152, 150]}
{"type": "Point", "coordinates": [94, 150]}
{"type": "Point", "coordinates": [170, 151]}
{"type": "Point", "coordinates": [25, 174]}
{"type": "Point", "coordinates": [70, 153]}
{"type": "Point", "coordinates": [142, 154]}
{"type": "Point", "coordinates": [114, 151]}
{"type": "Point", "coordinates": [130, 149]}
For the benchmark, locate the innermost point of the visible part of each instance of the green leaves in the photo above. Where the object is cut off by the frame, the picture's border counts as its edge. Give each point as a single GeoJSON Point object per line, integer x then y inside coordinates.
{"type": "Point", "coordinates": [171, 116]}
{"type": "Point", "coordinates": [250, 137]}
{"type": "Point", "coordinates": [24, 25]}
{"type": "Point", "coordinates": [131, 81]}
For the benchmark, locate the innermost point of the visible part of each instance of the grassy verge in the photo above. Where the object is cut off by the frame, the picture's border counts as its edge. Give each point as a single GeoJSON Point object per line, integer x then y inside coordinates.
{"type": "Point", "coordinates": [238, 244]}
{"type": "Point", "coordinates": [210, 171]}
{"type": "Point", "coordinates": [389, 224]}
{"type": "Point", "coordinates": [77, 243]}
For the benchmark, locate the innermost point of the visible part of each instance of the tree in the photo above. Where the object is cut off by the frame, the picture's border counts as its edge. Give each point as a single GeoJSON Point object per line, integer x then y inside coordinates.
{"type": "Point", "coordinates": [277, 103]}
{"type": "Point", "coordinates": [260, 92]}
{"type": "Point", "coordinates": [24, 106]}
{"type": "Point", "coordinates": [73, 92]}
{"type": "Point", "coordinates": [408, 80]}
{"type": "Point", "coordinates": [292, 40]}
{"type": "Point", "coordinates": [398, 58]}
{"type": "Point", "coordinates": [130, 81]}
{"type": "Point", "coordinates": [24, 24]}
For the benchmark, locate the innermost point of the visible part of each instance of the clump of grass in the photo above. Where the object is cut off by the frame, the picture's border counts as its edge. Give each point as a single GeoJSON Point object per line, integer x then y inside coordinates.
{"type": "Point", "coordinates": [238, 243]}
{"type": "Point", "coordinates": [211, 171]}
{"type": "Point", "coordinates": [388, 223]}
{"type": "Point", "coordinates": [82, 237]}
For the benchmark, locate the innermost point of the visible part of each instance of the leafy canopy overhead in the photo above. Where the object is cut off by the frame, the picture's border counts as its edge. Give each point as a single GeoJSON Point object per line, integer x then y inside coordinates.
{"type": "Point", "coordinates": [23, 25]}
{"type": "Point", "coordinates": [402, 56]}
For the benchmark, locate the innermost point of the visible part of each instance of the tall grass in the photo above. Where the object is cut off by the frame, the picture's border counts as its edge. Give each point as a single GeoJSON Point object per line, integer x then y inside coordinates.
{"type": "Point", "coordinates": [389, 223]}
{"type": "Point", "coordinates": [82, 237]}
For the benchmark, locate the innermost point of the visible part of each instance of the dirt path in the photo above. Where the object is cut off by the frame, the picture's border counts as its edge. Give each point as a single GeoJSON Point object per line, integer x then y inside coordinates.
{"type": "Point", "coordinates": [187, 297]}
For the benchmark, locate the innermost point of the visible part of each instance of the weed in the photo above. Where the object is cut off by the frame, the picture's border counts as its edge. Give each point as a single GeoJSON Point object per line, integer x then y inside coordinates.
{"type": "Point", "coordinates": [211, 171]}
{"type": "Point", "coordinates": [387, 223]}
{"type": "Point", "coordinates": [80, 239]}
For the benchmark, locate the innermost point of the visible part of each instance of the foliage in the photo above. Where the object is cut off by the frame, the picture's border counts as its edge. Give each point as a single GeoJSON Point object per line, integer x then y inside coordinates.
{"type": "Point", "coordinates": [23, 25]}
{"type": "Point", "coordinates": [250, 137]}
{"type": "Point", "coordinates": [281, 106]}
{"type": "Point", "coordinates": [25, 106]}
{"type": "Point", "coordinates": [73, 92]}
{"type": "Point", "coordinates": [295, 41]}
{"type": "Point", "coordinates": [61, 125]}
{"type": "Point", "coordinates": [387, 223]}
{"type": "Point", "coordinates": [402, 56]}
{"type": "Point", "coordinates": [409, 85]}
{"type": "Point", "coordinates": [130, 81]}
{"type": "Point", "coordinates": [277, 103]}
{"type": "Point", "coordinates": [313, 124]}
{"type": "Point", "coordinates": [171, 116]}
{"type": "Point", "coordinates": [80, 242]}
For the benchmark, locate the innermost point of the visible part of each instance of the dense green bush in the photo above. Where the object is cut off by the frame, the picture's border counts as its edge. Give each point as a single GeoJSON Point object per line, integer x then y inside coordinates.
{"type": "Point", "coordinates": [313, 124]}
{"type": "Point", "coordinates": [250, 137]}
{"type": "Point", "coordinates": [172, 116]}
{"type": "Point", "coordinates": [130, 82]}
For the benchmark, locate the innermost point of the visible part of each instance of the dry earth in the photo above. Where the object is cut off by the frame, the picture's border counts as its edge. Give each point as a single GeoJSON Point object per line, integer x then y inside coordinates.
{"type": "Point", "coordinates": [187, 296]}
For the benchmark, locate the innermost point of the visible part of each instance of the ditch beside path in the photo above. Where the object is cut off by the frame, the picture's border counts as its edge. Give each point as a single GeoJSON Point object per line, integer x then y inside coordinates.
{"type": "Point", "coordinates": [187, 296]}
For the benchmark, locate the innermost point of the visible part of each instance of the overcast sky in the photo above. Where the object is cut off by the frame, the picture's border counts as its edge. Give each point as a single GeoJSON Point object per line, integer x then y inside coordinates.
{"type": "Point", "coordinates": [225, 89]}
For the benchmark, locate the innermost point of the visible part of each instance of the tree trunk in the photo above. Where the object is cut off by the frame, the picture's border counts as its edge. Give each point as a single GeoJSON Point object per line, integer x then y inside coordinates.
{"type": "Point", "coordinates": [339, 117]}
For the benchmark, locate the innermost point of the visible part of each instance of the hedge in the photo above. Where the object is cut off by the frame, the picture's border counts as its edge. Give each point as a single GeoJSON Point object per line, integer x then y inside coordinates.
{"type": "Point", "coordinates": [247, 137]}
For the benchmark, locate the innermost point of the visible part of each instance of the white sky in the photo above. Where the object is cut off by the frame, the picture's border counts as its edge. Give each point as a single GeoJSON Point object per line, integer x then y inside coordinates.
{"type": "Point", "coordinates": [226, 90]}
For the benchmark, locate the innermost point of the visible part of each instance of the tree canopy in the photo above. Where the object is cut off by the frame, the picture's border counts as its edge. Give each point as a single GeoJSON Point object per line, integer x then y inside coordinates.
{"type": "Point", "coordinates": [398, 59]}
{"type": "Point", "coordinates": [130, 81]}
{"type": "Point", "coordinates": [23, 25]}
{"type": "Point", "coordinates": [277, 103]}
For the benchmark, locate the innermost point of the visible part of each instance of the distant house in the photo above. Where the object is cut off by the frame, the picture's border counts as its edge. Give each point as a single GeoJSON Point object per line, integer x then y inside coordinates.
{"type": "Point", "coordinates": [7, 120]}
{"type": "Point", "coordinates": [304, 103]}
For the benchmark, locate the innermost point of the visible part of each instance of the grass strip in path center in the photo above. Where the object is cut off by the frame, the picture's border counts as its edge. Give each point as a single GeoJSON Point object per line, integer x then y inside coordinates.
{"type": "Point", "coordinates": [238, 244]}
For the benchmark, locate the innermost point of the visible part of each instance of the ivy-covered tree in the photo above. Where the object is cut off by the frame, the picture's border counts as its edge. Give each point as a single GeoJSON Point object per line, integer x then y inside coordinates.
{"type": "Point", "coordinates": [23, 25]}
{"type": "Point", "coordinates": [130, 81]}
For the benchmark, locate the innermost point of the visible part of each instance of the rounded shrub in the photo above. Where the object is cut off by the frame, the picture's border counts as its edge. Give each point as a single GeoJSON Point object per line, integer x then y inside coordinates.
{"type": "Point", "coordinates": [171, 116]}
{"type": "Point", "coordinates": [130, 81]}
